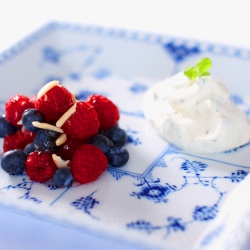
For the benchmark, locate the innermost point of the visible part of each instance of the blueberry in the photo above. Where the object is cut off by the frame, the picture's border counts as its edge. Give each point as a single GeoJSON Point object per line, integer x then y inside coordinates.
{"type": "Point", "coordinates": [13, 161]}
{"type": "Point", "coordinates": [102, 142]}
{"type": "Point", "coordinates": [117, 135]}
{"type": "Point", "coordinates": [118, 156]}
{"type": "Point", "coordinates": [29, 148]}
{"type": "Point", "coordinates": [6, 128]}
{"type": "Point", "coordinates": [63, 177]}
{"type": "Point", "coordinates": [31, 115]}
{"type": "Point", "coordinates": [45, 140]}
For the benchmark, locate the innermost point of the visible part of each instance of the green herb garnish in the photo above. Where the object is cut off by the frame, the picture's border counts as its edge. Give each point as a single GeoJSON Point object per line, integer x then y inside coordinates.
{"type": "Point", "coordinates": [200, 69]}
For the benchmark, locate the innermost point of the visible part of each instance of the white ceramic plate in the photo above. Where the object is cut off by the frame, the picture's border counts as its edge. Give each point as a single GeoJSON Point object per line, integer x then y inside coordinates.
{"type": "Point", "coordinates": [163, 197]}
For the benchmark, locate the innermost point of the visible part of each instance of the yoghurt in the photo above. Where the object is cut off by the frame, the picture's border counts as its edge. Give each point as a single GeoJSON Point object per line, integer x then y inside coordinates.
{"type": "Point", "coordinates": [196, 115]}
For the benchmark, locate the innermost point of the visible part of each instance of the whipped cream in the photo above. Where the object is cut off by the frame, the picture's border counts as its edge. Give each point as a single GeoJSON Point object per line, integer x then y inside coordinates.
{"type": "Point", "coordinates": [196, 115]}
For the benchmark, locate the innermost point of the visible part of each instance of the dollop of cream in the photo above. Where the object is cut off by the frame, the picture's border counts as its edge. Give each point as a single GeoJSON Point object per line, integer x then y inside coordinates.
{"type": "Point", "coordinates": [196, 115]}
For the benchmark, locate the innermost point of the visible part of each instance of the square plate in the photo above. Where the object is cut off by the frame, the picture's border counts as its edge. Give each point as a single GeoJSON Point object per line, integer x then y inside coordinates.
{"type": "Point", "coordinates": [163, 197]}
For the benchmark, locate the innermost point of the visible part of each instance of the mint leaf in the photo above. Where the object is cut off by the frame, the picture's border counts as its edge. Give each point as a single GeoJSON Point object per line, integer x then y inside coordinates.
{"type": "Point", "coordinates": [204, 65]}
{"type": "Point", "coordinates": [191, 72]}
{"type": "Point", "coordinates": [205, 74]}
{"type": "Point", "coordinates": [201, 69]}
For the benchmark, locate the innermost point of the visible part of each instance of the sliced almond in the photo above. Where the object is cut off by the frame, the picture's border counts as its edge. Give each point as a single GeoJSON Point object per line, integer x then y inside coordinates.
{"type": "Point", "coordinates": [47, 87]}
{"type": "Point", "coordinates": [66, 116]}
{"type": "Point", "coordinates": [43, 125]}
{"type": "Point", "coordinates": [60, 163]}
{"type": "Point", "coordinates": [20, 122]}
{"type": "Point", "coordinates": [61, 139]}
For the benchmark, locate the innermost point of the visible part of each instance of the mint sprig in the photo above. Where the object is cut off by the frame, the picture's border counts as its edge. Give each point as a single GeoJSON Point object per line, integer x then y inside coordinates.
{"type": "Point", "coordinates": [200, 69]}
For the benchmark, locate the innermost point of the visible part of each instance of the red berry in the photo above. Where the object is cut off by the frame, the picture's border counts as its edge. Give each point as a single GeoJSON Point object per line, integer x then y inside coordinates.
{"type": "Point", "coordinates": [83, 123]}
{"type": "Point", "coordinates": [66, 150]}
{"type": "Point", "coordinates": [54, 103]}
{"type": "Point", "coordinates": [15, 106]}
{"type": "Point", "coordinates": [88, 163]}
{"type": "Point", "coordinates": [108, 112]}
{"type": "Point", "coordinates": [28, 136]}
{"type": "Point", "coordinates": [18, 140]}
{"type": "Point", "coordinates": [33, 100]}
{"type": "Point", "coordinates": [13, 141]}
{"type": "Point", "coordinates": [40, 166]}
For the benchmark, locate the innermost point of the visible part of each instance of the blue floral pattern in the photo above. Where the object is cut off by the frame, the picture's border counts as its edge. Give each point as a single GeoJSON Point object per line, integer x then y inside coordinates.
{"type": "Point", "coordinates": [26, 187]}
{"type": "Point", "coordinates": [86, 204]}
{"type": "Point", "coordinates": [138, 87]}
{"type": "Point", "coordinates": [204, 213]}
{"type": "Point", "coordinates": [179, 52]}
{"type": "Point", "coordinates": [157, 192]}
{"type": "Point", "coordinates": [154, 192]}
{"type": "Point", "coordinates": [173, 225]}
{"type": "Point", "coordinates": [133, 137]}
{"type": "Point", "coordinates": [51, 55]}
{"type": "Point", "coordinates": [238, 176]}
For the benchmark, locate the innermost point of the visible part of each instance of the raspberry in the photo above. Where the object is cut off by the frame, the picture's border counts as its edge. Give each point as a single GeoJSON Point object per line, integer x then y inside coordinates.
{"type": "Point", "coordinates": [15, 106]}
{"type": "Point", "coordinates": [18, 140]}
{"type": "Point", "coordinates": [88, 163]}
{"type": "Point", "coordinates": [40, 166]}
{"type": "Point", "coordinates": [66, 150]}
{"type": "Point", "coordinates": [33, 100]}
{"type": "Point", "coordinates": [28, 136]}
{"type": "Point", "coordinates": [54, 103]}
{"type": "Point", "coordinates": [108, 112]}
{"type": "Point", "coordinates": [83, 123]}
{"type": "Point", "coordinates": [13, 141]}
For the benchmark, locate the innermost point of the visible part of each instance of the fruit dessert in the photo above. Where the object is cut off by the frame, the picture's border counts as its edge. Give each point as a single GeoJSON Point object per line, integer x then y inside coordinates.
{"type": "Point", "coordinates": [54, 137]}
{"type": "Point", "coordinates": [193, 111]}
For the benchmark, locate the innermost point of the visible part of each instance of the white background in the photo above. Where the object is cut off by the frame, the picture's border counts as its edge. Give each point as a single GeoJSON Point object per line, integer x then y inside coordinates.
{"type": "Point", "coordinates": [218, 21]}
{"type": "Point", "coordinates": [223, 21]}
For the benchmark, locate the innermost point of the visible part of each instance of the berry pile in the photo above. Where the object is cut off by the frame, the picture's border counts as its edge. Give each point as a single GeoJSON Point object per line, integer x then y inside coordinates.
{"type": "Point", "coordinates": [53, 136]}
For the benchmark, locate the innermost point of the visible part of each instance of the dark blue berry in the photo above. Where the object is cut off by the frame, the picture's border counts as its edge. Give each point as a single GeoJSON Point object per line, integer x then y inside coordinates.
{"type": "Point", "coordinates": [29, 148]}
{"type": "Point", "coordinates": [117, 135]}
{"type": "Point", "coordinates": [31, 115]}
{"type": "Point", "coordinates": [63, 177]}
{"type": "Point", "coordinates": [102, 142]}
{"type": "Point", "coordinates": [6, 128]}
{"type": "Point", "coordinates": [13, 161]}
{"type": "Point", "coordinates": [118, 156]}
{"type": "Point", "coordinates": [45, 140]}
